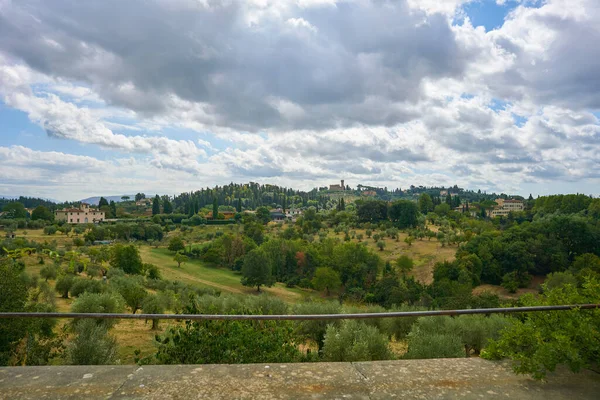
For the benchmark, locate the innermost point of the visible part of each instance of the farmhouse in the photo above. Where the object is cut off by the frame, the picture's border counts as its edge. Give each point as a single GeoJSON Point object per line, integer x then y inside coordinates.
{"type": "Point", "coordinates": [82, 215]}
{"type": "Point", "coordinates": [505, 207]}
{"type": "Point", "coordinates": [277, 215]}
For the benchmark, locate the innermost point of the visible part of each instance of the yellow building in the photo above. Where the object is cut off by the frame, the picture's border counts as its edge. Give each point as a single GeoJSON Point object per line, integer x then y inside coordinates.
{"type": "Point", "coordinates": [505, 207]}
{"type": "Point", "coordinates": [82, 215]}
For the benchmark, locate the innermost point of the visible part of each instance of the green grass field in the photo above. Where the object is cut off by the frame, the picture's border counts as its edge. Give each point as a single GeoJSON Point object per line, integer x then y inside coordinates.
{"type": "Point", "coordinates": [198, 273]}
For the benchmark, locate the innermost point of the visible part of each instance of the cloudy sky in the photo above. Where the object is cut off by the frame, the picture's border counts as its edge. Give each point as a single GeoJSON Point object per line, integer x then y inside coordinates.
{"type": "Point", "coordinates": [163, 96]}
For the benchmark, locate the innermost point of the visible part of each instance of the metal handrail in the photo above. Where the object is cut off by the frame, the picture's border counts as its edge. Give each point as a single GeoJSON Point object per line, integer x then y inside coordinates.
{"type": "Point", "coordinates": [400, 314]}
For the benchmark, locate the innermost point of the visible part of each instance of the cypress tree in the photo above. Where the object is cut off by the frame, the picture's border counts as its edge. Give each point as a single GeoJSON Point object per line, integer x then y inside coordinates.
{"type": "Point", "coordinates": [215, 210]}
{"type": "Point", "coordinates": [156, 205]}
{"type": "Point", "coordinates": [113, 208]}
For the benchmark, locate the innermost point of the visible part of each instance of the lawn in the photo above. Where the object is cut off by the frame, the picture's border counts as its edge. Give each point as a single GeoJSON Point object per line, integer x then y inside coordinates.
{"type": "Point", "coordinates": [197, 272]}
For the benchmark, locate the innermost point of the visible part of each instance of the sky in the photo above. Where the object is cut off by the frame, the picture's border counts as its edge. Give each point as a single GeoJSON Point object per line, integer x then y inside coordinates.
{"type": "Point", "coordinates": [106, 97]}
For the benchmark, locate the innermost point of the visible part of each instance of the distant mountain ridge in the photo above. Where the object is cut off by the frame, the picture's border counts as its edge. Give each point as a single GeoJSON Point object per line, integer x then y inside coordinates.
{"type": "Point", "coordinates": [96, 199]}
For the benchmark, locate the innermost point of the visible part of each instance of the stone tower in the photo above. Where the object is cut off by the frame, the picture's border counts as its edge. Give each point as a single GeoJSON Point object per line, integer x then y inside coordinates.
{"type": "Point", "coordinates": [343, 187]}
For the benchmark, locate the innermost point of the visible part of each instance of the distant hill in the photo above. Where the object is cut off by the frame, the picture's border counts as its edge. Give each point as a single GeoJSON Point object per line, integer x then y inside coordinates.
{"type": "Point", "coordinates": [96, 199]}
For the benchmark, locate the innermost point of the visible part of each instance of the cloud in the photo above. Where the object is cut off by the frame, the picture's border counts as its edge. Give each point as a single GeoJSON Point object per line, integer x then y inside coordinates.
{"type": "Point", "coordinates": [66, 120]}
{"type": "Point", "coordinates": [303, 91]}
{"type": "Point", "coordinates": [359, 55]}
{"type": "Point", "coordinates": [63, 176]}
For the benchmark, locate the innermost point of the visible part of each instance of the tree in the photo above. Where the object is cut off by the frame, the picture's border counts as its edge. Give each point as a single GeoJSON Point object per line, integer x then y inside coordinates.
{"type": "Point", "coordinates": [125, 198]}
{"type": "Point", "coordinates": [326, 278]}
{"type": "Point", "coordinates": [64, 284]}
{"type": "Point", "coordinates": [215, 208]}
{"type": "Point", "coordinates": [42, 213]}
{"type": "Point", "coordinates": [238, 207]}
{"type": "Point", "coordinates": [176, 244]}
{"type": "Point", "coordinates": [113, 208]}
{"type": "Point", "coordinates": [256, 270]}
{"type": "Point", "coordinates": [103, 202]}
{"type": "Point", "coordinates": [442, 209]}
{"type": "Point", "coordinates": [126, 258]}
{"type": "Point", "coordinates": [586, 261]}
{"type": "Point", "coordinates": [381, 245]}
{"type": "Point", "coordinates": [93, 270]}
{"type": "Point", "coordinates": [180, 258]}
{"type": "Point", "coordinates": [409, 240]}
{"type": "Point", "coordinates": [538, 342]}
{"type": "Point", "coordinates": [140, 196]}
{"type": "Point", "coordinates": [14, 210]}
{"type": "Point", "coordinates": [263, 215]}
{"type": "Point", "coordinates": [152, 271]}
{"type": "Point", "coordinates": [49, 272]}
{"type": "Point", "coordinates": [132, 292]}
{"type": "Point", "coordinates": [167, 206]}
{"type": "Point", "coordinates": [156, 205]}
{"type": "Point", "coordinates": [108, 302]}
{"type": "Point", "coordinates": [404, 264]}
{"type": "Point", "coordinates": [404, 213]}
{"type": "Point", "coordinates": [153, 304]}
{"type": "Point", "coordinates": [371, 210]}
{"type": "Point", "coordinates": [425, 203]}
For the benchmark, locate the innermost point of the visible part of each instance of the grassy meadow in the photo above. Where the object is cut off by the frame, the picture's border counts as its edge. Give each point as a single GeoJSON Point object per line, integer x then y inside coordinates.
{"type": "Point", "coordinates": [136, 334]}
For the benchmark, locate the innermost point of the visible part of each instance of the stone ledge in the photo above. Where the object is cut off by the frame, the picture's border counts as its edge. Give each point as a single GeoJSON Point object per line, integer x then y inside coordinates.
{"type": "Point", "coordinates": [407, 379]}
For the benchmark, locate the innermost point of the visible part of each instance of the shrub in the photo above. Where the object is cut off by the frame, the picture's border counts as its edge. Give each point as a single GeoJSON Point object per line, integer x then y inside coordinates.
{"type": "Point", "coordinates": [228, 342]}
{"type": "Point", "coordinates": [93, 270]}
{"type": "Point", "coordinates": [538, 342]}
{"type": "Point", "coordinates": [434, 345]}
{"type": "Point", "coordinates": [50, 230]}
{"type": "Point", "coordinates": [99, 303]}
{"type": "Point", "coordinates": [114, 273]}
{"type": "Point", "coordinates": [81, 286]}
{"type": "Point", "coordinates": [355, 341]}
{"type": "Point", "coordinates": [471, 331]}
{"type": "Point", "coordinates": [404, 264]}
{"type": "Point", "coordinates": [399, 328]}
{"type": "Point", "coordinates": [151, 271]}
{"type": "Point", "coordinates": [315, 329]}
{"type": "Point", "coordinates": [557, 279]}
{"type": "Point", "coordinates": [92, 345]}
{"type": "Point", "coordinates": [176, 244]}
